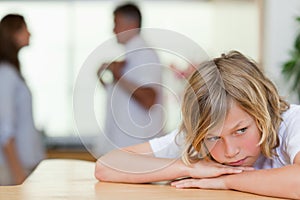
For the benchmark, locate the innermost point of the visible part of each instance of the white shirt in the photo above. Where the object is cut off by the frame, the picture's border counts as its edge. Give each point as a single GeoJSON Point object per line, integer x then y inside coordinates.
{"type": "Point", "coordinates": [170, 146]}
{"type": "Point", "coordinates": [16, 118]}
{"type": "Point", "coordinates": [289, 137]}
{"type": "Point", "coordinates": [127, 122]}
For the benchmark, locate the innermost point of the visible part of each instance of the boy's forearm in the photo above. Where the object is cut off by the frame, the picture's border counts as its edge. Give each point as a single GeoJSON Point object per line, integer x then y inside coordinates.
{"type": "Point", "coordinates": [120, 166]}
{"type": "Point", "coordinates": [279, 182]}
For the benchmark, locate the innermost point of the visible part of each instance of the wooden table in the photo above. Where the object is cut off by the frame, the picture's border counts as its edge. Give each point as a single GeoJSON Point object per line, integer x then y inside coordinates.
{"type": "Point", "coordinates": [74, 179]}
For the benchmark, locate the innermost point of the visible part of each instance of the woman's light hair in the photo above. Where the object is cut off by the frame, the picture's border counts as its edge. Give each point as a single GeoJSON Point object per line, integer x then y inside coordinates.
{"type": "Point", "coordinates": [207, 97]}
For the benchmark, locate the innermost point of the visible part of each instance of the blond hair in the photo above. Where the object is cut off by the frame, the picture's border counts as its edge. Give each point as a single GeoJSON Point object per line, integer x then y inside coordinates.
{"type": "Point", "coordinates": [231, 77]}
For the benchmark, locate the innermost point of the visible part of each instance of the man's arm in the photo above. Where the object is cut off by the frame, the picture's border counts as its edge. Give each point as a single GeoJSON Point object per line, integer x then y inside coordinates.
{"type": "Point", "coordinates": [145, 96]}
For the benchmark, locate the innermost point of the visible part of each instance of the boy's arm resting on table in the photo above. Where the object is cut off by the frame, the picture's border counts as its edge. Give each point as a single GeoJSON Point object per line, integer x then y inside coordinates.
{"type": "Point", "coordinates": [277, 182]}
{"type": "Point", "coordinates": [136, 164]}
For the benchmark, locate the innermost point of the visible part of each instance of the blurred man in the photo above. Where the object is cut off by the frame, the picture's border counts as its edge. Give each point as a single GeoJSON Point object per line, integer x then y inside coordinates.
{"type": "Point", "coordinates": [133, 113]}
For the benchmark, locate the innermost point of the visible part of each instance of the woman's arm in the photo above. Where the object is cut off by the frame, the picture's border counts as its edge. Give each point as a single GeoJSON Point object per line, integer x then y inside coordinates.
{"type": "Point", "coordinates": [278, 182]}
{"type": "Point", "coordinates": [8, 89]}
{"type": "Point", "coordinates": [136, 164]}
{"type": "Point", "coordinates": [13, 161]}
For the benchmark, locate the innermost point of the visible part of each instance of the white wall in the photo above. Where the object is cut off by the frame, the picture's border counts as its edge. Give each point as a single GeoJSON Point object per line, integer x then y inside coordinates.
{"type": "Point", "coordinates": [279, 34]}
{"type": "Point", "coordinates": [235, 27]}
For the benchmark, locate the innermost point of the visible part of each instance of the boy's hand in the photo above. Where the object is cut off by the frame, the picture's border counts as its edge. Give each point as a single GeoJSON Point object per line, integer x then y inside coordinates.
{"type": "Point", "coordinates": [206, 183]}
{"type": "Point", "coordinates": [208, 169]}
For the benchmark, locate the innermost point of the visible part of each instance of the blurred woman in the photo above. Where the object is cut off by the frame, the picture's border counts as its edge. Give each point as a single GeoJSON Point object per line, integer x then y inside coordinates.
{"type": "Point", "coordinates": [21, 147]}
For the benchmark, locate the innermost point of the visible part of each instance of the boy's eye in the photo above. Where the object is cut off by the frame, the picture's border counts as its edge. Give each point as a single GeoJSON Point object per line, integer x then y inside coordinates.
{"type": "Point", "coordinates": [213, 139]}
{"type": "Point", "coordinates": [241, 131]}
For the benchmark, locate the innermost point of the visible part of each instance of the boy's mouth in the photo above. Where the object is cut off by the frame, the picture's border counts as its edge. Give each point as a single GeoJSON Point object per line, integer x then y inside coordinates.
{"type": "Point", "coordinates": [238, 162]}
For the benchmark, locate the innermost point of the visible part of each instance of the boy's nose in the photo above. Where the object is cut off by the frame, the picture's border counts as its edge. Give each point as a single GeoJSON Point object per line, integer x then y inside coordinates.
{"type": "Point", "coordinates": [231, 149]}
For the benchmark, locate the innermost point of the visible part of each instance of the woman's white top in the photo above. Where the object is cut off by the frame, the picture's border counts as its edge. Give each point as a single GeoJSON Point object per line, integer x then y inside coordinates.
{"type": "Point", "coordinates": [170, 146]}
{"type": "Point", "coordinates": [16, 120]}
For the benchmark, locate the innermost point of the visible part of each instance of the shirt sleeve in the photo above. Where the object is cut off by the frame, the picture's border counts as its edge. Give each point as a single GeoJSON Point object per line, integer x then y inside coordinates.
{"type": "Point", "coordinates": [8, 80]}
{"type": "Point", "coordinates": [168, 146]}
{"type": "Point", "coordinates": [292, 132]}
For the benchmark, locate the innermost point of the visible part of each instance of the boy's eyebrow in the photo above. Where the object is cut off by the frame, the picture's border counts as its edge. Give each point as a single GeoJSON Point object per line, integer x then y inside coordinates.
{"type": "Point", "coordinates": [237, 125]}
{"type": "Point", "coordinates": [233, 128]}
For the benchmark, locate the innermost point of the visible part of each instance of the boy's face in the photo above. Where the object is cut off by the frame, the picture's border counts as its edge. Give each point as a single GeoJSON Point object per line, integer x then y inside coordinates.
{"type": "Point", "coordinates": [236, 142]}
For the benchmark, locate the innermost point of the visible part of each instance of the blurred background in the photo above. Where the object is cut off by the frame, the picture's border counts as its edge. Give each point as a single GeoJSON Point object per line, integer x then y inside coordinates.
{"type": "Point", "coordinates": [65, 32]}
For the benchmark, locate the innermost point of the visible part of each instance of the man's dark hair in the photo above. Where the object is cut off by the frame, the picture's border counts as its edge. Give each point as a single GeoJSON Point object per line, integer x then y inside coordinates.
{"type": "Point", "coordinates": [131, 11]}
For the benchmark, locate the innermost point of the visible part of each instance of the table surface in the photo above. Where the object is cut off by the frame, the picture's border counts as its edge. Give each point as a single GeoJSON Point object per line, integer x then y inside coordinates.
{"type": "Point", "coordinates": [74, 179]}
